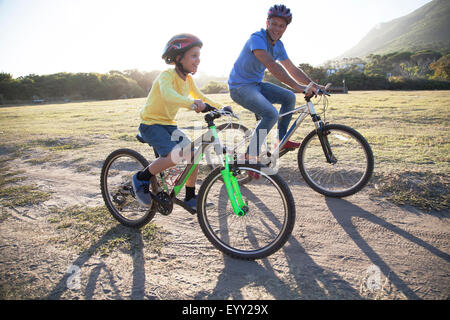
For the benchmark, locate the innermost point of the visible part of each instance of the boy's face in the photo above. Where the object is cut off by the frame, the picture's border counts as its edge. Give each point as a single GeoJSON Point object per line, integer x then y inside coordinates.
{"type": "Point", "coordinates": [191, 60]}
{"type": "Point", "coordinates": [276, 26]}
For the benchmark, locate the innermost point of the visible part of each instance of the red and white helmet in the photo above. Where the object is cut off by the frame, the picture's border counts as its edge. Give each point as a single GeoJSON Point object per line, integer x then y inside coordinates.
{"type": "Point", "coordinates": [179, 44]}
{"type": "Point", "coordinates": [281, 11]}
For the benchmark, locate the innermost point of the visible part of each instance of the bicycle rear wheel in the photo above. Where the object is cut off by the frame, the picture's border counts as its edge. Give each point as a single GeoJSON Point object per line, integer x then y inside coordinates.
{"type": "Point", "coordinates": [117, 189]}
{"type": "Point", "coordinates": [351, 170]}
{"type": "Point", "coordinates": [264, 228]}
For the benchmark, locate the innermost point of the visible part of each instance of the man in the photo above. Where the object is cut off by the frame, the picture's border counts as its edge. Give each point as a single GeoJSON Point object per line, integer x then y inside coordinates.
{"type": "Point", "coordinates": [261, 52]}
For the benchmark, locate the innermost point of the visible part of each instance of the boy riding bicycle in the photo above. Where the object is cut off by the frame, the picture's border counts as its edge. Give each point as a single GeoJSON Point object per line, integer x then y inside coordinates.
{"type": "Point", "coordinates": [261, 52]}
{"type": "Point", "coordinates": [172, 90]}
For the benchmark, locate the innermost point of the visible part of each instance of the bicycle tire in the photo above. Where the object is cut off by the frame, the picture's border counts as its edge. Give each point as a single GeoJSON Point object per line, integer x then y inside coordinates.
{"type": "Point", "coordinates": [260, 226]}
{"type": "Point", "coordinates": [350, 138]}
{"type": "Point", "coordinates": [148, 214]}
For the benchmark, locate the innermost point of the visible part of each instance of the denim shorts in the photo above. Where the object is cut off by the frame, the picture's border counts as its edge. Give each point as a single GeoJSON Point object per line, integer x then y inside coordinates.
{"type": "Point", "coordinates": [163, 138]}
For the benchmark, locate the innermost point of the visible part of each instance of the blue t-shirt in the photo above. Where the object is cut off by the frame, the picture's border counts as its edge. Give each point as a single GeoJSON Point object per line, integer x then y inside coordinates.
{"type": "Point", "coordinates": [247, 68]}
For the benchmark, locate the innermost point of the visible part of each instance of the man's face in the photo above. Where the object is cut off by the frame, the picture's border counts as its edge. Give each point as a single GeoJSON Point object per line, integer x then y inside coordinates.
{"type": "Point", "coordinates": [276, 26]}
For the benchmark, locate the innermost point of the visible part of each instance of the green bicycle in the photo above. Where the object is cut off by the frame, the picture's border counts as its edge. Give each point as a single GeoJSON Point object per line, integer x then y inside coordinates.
{"type": "Point", "coordinates": [249, 221]}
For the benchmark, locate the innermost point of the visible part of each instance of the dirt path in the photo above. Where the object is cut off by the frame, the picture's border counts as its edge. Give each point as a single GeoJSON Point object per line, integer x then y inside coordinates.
{"type": "Point", "coordinates": [351, 248]}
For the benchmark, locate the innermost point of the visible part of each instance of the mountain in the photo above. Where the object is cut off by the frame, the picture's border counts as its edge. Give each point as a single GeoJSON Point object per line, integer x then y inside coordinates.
{"type": "Point", "coordinates": [426, 28]}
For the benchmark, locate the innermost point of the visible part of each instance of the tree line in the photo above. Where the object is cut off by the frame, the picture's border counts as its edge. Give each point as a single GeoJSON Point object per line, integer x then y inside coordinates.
{"type": "Point", "coordinates": [76, 86]}
{"type": "Point", "coordinates": [423, 70]}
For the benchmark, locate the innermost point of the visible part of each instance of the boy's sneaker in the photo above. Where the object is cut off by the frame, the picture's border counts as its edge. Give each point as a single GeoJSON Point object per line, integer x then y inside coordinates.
{"type": "Point", "coordinates": [192, 202]}
{"type": "Point", "coordinates": [142, 192]}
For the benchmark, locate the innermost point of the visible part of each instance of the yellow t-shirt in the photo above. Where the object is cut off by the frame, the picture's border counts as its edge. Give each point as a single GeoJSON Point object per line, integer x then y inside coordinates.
{"type": "Point", "coordinates": [168, 94]}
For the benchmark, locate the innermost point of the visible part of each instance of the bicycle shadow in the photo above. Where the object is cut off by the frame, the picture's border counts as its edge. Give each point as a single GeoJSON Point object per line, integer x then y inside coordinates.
{"type": "Point", "coordinates": [344, 211]}
{"type": "Point", "coordinates": [311, 280]}
{"type": "Point", "coordinates": [137, 253]}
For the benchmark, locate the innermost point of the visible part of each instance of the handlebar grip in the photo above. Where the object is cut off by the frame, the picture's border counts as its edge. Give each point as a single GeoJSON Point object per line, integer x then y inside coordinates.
{"type": "Point", "coordinates": [228, 109]}
{"type": "Point", "coordinates": [308, 87]}
{"type": "Point", "coordinates": [208, 108]}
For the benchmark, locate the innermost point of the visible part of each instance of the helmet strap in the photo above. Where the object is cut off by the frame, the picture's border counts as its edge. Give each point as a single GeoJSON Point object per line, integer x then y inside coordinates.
{"type": "Point", "coordinates": [179, 65]}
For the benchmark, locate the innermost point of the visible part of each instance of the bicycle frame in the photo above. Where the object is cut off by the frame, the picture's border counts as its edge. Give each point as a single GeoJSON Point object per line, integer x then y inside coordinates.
{"type": "Point", "coordinates": [231, 184]}
{"type": "Point", "coordinates": [304, 110]}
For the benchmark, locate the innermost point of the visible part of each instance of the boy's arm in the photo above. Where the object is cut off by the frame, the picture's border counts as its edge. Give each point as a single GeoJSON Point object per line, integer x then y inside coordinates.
{"type": "Point", "coordinates": [170, 95]}
{"type": "Point", "coordinates": [197, 94]}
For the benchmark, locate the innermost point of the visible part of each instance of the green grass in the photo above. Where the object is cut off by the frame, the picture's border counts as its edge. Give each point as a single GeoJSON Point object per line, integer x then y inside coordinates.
{"type": "Point", "coordinates": [14, 192]}
{"type": "Point", "coordinates": [408, 131]}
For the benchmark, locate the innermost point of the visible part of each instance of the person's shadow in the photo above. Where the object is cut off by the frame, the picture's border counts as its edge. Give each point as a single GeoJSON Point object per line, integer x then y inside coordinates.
{"type": "Point", "coordinates": [137, 253]}
{"type": "Point", "coordinates": [344, 211]}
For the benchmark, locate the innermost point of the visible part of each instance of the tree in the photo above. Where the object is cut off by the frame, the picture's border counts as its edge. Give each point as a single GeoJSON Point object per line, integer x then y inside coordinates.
{"type": "Point", "coordinates": [215, 87]}
{"type": "Point", "coordinates": [441, 68]}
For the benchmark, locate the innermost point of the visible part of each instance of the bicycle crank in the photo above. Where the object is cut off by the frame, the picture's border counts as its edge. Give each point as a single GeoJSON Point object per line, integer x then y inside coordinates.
{"type": "Point", "coordinates": [162, 203]}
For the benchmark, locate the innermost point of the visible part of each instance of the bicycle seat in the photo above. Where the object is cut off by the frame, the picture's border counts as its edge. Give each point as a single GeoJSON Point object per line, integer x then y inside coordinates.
{"type": "Point", "coordinates": [139, 138]}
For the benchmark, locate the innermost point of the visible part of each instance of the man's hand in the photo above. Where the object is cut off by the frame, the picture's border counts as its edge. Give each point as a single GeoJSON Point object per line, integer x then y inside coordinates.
{"type": "Point", "coordinates": [200, 106]}
{"type": "Point", "coordinates": [312, 90]}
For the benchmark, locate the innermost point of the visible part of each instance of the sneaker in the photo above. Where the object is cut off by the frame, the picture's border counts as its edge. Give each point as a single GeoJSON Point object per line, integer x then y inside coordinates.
{"type": "Point", "coordinates": [291, 145]}
{"type": "Point", "coordinates": [192, 203]}
{"type": "Point", "coordinates": [251, 159]}
{"type": "Point", "coordinates": [142, 192]}
{"type": "Point", "coordinates": [253, 175]}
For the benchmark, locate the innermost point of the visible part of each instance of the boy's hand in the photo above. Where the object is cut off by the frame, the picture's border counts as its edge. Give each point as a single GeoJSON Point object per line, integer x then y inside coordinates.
{"type": "Point", "coordinates": [200, 106]}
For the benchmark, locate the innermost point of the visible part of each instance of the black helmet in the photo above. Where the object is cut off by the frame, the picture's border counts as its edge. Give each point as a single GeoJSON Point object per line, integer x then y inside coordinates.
{"type": "Point", "coordinates": [281, 11]}
{"type": "Point", "coordinates": [179, 44]}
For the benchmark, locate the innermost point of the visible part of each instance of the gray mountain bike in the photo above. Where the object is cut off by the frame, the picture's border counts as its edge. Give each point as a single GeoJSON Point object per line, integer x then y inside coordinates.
{"type": "Point", "coordinates": [334, 160]}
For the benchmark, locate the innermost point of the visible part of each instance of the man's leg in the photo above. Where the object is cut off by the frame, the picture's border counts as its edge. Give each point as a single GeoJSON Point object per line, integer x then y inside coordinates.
{"type": "Point", "coordinates": [251, 98]}
{"type": "Point", "coordinates": [286, 98]}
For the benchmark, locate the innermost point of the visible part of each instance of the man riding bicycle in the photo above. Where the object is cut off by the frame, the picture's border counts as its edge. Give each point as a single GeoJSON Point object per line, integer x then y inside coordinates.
{"type": "Point", "coordinates": [261, 52]}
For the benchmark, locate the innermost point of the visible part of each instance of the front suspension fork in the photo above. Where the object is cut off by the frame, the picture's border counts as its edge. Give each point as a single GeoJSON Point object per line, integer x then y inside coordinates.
{"type": "Point", "coordinates": [240, 208]}
{"type": "Point", "coordinates": [323, 138]}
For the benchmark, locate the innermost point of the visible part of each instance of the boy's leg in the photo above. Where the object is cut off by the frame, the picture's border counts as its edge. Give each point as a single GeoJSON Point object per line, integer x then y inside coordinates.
{"type": "Point", "coordinates": [192, 178]}
{"type": "Point", "coordinates": [159, 138]}
{"type": "Point", "coordinates": [160, 164]}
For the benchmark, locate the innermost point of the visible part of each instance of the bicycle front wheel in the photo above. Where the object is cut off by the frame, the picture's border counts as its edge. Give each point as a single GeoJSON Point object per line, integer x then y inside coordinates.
{"type": "Point", "coordinates": [117, 189]}
{"type": "Point", "coordinates": [265, 227]}
{"type": "Point", "coordinates": [352, 164]}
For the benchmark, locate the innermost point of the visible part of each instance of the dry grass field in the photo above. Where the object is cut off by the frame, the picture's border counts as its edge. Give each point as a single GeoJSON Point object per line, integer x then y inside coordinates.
{"type": "Point", "coordinates": [52, 216]}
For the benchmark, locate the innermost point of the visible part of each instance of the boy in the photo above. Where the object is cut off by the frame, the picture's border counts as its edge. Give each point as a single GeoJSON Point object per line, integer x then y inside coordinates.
{"type": "Point", "coordinates": [173, 89]}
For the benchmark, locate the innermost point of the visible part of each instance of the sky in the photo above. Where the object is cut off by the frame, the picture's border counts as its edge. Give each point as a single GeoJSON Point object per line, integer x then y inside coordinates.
{"type": "Point", "coordinates": [51, 36]}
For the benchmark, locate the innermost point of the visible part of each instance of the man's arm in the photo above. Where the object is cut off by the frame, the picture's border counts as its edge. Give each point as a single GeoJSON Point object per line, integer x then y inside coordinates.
{"type": "Point", "coordinates": [297, 73]}
{"type": "Point", "coordinates": [277, 70]}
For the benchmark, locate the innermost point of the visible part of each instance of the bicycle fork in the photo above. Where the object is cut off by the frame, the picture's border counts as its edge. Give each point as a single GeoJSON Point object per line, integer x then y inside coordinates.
{"type": "Point", "coordinates": [240, 208]}
{"type": "Point", "coordinates": [322, 134]}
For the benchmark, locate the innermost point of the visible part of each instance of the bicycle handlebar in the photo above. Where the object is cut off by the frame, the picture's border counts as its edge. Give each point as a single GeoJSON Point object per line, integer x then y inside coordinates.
{"type": "Point", "coordinates": [320, 91]}
{"type": "Point", "coordinates": [224, 111]}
